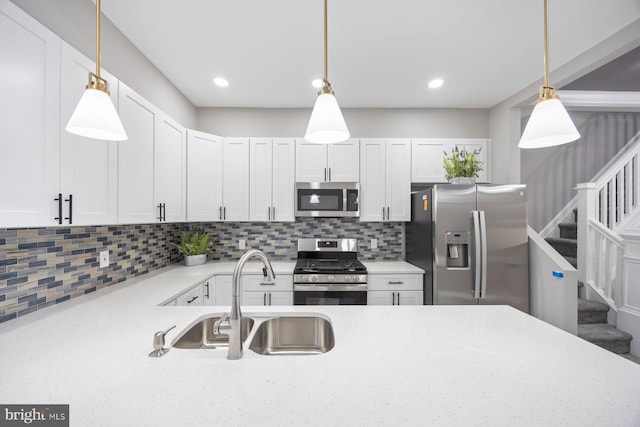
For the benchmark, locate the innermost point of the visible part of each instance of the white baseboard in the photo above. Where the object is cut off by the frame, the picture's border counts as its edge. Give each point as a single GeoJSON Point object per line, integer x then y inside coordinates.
{"type": "Point", "coordinates": [629, 321]}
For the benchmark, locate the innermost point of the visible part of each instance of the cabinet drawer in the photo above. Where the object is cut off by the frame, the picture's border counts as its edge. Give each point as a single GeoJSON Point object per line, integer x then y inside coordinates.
{"type": "Point", "coordinates": [260, 283]}
{"type": "Point", "coordinates": [396, 282]}
{"type": "Point", "coordinates": [191, 297]}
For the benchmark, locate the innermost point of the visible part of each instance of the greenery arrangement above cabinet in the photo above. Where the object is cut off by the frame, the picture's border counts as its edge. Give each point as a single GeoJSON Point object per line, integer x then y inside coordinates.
{"type": "Point", "coordinates": [427, 157]}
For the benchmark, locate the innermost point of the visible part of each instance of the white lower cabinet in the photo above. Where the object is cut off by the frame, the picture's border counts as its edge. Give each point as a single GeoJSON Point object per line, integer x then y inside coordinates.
{"type": "Point", "coordinates": [256, 290]}
{"type": "Point", "coordinates": [192, 297]}
{"type": "Point", "coordinates": [223, 289]}
{"type": "Point", "coordinates": [397, 289]}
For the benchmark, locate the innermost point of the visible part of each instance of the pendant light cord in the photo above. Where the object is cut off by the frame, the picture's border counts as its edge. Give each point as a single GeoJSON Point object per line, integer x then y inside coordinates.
{"type": "Point", "coordinates": [98, 38]}
{"type": "Point", "coordinates": [546, 43]}
{"type": "Point", "coordinates": [326, 45]}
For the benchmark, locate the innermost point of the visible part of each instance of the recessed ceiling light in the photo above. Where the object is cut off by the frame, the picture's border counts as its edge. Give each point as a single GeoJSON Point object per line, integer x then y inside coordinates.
{"type": "Point", "coordinates": [220, 81]}
{"type": "Point", "coordinates": [435, 83]}
{"type": "Point", "coordinates": [317, 83]}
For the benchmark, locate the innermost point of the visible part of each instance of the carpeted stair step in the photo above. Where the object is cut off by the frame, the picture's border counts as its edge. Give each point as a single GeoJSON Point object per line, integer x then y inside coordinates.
{"type": "Point", "coordinates": [606, 336]}
{"type": "Point", "coordinates": [573, 261]}
{"type": "Point", "coordinates": [631, 357]}
{"type": "Point", "coordinates": [565, 247]}
{"type": "Point", "coordinates": [590, 312]}
{"type": "Point", "coordinates": [568, 230]}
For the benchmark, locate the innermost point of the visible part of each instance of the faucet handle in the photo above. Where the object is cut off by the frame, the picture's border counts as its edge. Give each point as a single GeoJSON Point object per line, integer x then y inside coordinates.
{"type": "Point", "coordinates": [221, 326]}
{"type": "Point", "coordinates": [158, 343]}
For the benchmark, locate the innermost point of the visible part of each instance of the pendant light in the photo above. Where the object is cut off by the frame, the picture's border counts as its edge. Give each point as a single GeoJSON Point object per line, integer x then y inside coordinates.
{"type": "Point", "coordinates": [95, 116]}
{"type": "Point", "coordinates": [549, 123]}
{"type": "Point", "coordinates": [326, 125]}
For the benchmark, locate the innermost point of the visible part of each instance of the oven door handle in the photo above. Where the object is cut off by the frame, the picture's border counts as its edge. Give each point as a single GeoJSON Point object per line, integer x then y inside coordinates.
{"type": "Point", "coordinates": [301, 287]}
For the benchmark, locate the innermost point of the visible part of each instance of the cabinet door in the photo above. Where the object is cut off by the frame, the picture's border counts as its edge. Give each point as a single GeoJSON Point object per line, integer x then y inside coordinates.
{"type": "Point", "coordinates": [224, 290]}
{"type": "Point", "coordinates": [280, 298]}
{"type": "Point", "coordinates": [209, 292]}
{"type": "Point", "coordinates": [479, 145]}
{"type": "Point", "coordinates": [409, 298]}
{"type": "Point", "coordinates": [170, 160]}
{"type": "Point", "coordinates": [235, 179]}
{"type": "Point", "coordinates": [260, 179]}
{"type": "Point", "coordinates": [380, 298]}
{"type": "Point", "coordinates": [88, 167]}
{"type": "Point", "coordinates": [204, 176]}
{"type": "Point", "coordinates": [398, 179]}
{"type": "Point", "coordinates": [254, 298]}
{"type": "Point", "coordinates": [372, 180]}
{"type": "Point", "coordinates": [29, 120]}
{"type": "Point", "coordinates": [426, 160]}
{"type": "Point", "coordinates": [284, 180]}
{"type": "Point", "coordinates": [311, 162]}
{"type": "Point", "coordinates": [135, 158]}
{"type": "Point", "coordinates": [344, 161]}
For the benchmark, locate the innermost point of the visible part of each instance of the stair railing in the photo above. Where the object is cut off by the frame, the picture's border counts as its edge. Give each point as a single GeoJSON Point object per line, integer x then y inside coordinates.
{"type": "Point", "coordinates": [603, 206]}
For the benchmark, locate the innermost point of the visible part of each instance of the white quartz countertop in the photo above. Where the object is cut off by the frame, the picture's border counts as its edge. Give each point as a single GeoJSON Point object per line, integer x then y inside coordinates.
{"type": "Point", "coordinates": [391, 267]}
{"type": "Point", "coordinates": [391, 365]}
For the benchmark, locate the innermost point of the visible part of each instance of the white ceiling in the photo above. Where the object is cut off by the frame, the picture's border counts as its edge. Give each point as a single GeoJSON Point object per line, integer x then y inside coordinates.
{"type": "Point", "coordinates": [381, 53]}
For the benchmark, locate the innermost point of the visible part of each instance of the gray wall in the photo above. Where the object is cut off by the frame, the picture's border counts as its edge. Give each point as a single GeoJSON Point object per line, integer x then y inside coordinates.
{"type": "Point", "coordinates": [551, 174]}
{"type": "Point", "coordinates": [74, 21]}
{"type": "Point", "coordinates": [362, 122]}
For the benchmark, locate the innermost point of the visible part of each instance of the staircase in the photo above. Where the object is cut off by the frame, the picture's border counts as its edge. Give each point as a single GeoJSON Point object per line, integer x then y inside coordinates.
{"type": "Point", "coordinates": [592, 315]}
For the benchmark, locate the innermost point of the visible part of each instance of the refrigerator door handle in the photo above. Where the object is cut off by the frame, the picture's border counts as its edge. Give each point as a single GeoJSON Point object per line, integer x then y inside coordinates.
{"type": "Point", "coordinates": [483, 239]}
{"type": "Point", "coordinates": [477, 277]}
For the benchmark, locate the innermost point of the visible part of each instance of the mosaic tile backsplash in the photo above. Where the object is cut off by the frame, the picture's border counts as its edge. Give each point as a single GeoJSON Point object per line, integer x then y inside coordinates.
{"type": "Point", "coordinates": [40, 267]}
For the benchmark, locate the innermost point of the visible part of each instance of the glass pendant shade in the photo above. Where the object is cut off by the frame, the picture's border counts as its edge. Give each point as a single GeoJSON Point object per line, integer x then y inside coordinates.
{"type": "Point", "coordinates": [96, 117]}
{"type": "Point", "coordinates": [548, 125]}
{"type": "Point", "coordinates": [326, 125]}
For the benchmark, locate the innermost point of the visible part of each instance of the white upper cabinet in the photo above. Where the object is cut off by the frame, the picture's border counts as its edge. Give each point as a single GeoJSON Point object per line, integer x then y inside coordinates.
{"type": "Point", "coordinates": [135, 159]}
{"type": "Point", "coordinates": [385, 180]}
{"type": "Point", "coordinates": [89, 167]}
{"type": "Point", "coordinates": [204, 176]}
{"type": "Point", "coordinates": [170, 170]}
{"type": "Point", "coordinates": [327, 162]}
{"type": "Point", "coordinates": [272, 179]}
{"type": "Point", "coordinates": [217, 178]}
{"type": "Point", "coordinates": [29, 120]}
{"type": "Point", "coordinates": [427, 157]}
{"type": "Point", "coordinates": [235, 179]}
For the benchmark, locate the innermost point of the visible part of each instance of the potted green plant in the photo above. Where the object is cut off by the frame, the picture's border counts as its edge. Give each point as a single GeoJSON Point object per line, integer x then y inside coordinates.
{"type": "Point", "coordinates": [194, 246]}
{"type": "Point", "coordinates": [462, 166]}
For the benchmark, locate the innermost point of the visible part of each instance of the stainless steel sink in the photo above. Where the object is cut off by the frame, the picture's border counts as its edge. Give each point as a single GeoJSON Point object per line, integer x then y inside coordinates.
{"type": "Point", "coordinates": [200, 334]}
{"type": "Point", "coordinates": [293, 335]}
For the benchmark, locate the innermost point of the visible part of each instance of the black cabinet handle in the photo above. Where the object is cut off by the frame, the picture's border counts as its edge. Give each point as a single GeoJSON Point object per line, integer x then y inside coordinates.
{"type": "Point", "coordinates": [192, 300]}
{"type": "Point", "coordinates": [70, 217]}
{"type": "Point", "coordinates": [163, 212]}
{"type": "Point", "coordinates": [269, 298]}
{"type": "Point", "coordinates": [398, 298]}
{"type": "Point", "coordinates": [160, 212]}
{"type": "Point", "coordinates": [206, 285]}
{"type": "Point", "coordinates": [274, 213]}
{"type": "Point", "coordinates": [325, 174]}
{"type": "Point", "coordinates": [393, 298]}
{"type": "Point", "coordinates": [59, 200]}
{"type": "Point", "coordinates": [264, 299]}
{"type": "Point", "coordinates": [220, 212]}
{"type": "Point", "coordinates": [224, 213]}
{"type": "Point", "coordinates": [329, 174]}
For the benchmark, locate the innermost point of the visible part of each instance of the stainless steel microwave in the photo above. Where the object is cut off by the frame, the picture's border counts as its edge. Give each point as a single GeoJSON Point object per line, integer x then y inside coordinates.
{"type": "Point", "coordinates": [328, 199]}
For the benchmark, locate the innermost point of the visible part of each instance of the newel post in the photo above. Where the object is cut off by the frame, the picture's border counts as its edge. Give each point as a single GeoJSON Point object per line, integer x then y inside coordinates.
{"type": "Point", "coordinates": [587, 208]}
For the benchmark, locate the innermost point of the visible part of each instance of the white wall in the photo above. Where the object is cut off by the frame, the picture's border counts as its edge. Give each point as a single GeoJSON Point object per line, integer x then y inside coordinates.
{"type": "Point", "coordinates": [629, 314]}
{"type": "Point", "coordinates": [362, 122]}
{"type": "Point", "coordinates": [75, 22]}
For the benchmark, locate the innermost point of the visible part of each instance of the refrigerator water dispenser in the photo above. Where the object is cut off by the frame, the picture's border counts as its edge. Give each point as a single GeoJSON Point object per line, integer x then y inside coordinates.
{"type": "Point", "coordinates": [457, 249]}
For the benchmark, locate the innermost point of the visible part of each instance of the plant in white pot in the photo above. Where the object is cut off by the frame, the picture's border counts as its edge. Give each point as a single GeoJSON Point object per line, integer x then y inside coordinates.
{"type": "Point", "coordinates": [194, 246]}
{"type": "Point", "coordinates": [462, 166]}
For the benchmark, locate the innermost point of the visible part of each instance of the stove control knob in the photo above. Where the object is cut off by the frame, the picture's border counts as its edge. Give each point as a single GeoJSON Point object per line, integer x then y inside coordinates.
{"type": "Point", "coordinates": [331, 278]}
{"type": "Point", "coordinates": [314, 278]}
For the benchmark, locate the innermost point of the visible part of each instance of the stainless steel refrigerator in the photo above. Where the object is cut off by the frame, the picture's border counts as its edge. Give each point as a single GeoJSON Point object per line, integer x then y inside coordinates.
{"type": "Point", "coordinates": [471, 240]}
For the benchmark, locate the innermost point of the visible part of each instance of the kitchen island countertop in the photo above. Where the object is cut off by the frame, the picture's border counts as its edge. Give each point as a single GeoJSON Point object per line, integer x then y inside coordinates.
{"type": "Point", "coordinates": [406, 365]}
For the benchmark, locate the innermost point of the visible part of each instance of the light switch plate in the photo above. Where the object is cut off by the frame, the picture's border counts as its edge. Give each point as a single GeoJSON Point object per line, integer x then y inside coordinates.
{"type": "Point", "coordinates": [374, 243]}
{"type": "Point", "coordinates": [104, 259]}
{"type": "Point", "coordinates": [242, 244]}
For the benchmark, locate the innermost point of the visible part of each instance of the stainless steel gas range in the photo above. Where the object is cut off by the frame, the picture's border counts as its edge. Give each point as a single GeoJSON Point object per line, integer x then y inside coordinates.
{"type": "Point", "coordinates": [328, 273]}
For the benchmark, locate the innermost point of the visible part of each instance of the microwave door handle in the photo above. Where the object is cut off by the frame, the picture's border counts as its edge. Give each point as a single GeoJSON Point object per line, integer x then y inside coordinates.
{"type": "Point", "coordinates": [478, 255]}
{"type": "Point", "coordinates": [483, 237]}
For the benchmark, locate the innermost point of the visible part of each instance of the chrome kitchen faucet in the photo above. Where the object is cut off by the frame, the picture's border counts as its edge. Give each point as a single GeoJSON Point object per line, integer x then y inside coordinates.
{"type": "Point", "coordinates": [231, 326]}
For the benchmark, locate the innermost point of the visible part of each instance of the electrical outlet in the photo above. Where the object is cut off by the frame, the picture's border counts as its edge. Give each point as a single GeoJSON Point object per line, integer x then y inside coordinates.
{"type": "Point", "coordinates": [374, 243]}
{"type": "Point", "coordinates": [242, 244]}
{"type": "Point", "coordinates": [104, 259]}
